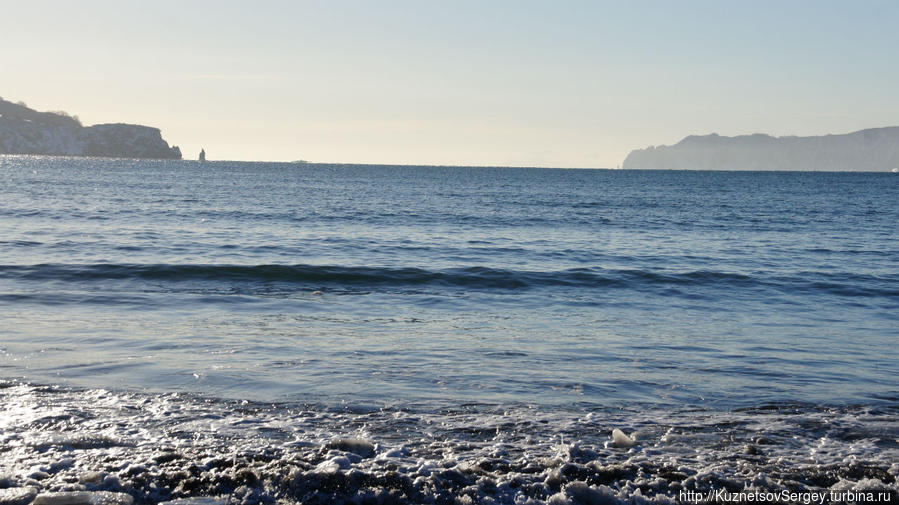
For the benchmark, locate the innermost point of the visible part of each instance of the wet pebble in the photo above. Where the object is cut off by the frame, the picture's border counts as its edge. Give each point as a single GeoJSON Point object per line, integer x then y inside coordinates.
{"type": "Point", "coordinates": [17, 495]}
{"type": "Point", "coordinates": [91, 477]}
{"type": "Point", "coordinates": [83, 498]}
{"type": "Point", "coordinates": [167, 457]}
{"type": "Point", "coordinates": [752, 450]}
{"type": "Point", "coordinates": [62, 464]}
{"type": "Point", "coordinates": [200, 500]}
{"type": "Point", "coordinates": [357, 446]}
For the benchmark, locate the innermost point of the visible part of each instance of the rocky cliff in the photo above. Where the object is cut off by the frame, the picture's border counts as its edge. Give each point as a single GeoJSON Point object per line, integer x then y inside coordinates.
{"type": "Point", "coordinates": [876, 149]}
{"type": "Point", "coordinates": [26, 131]}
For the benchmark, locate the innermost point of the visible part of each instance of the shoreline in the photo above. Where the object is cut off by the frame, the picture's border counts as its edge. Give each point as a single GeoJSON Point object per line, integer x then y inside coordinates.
{"type": "Point", "coordinates": [159, 447]}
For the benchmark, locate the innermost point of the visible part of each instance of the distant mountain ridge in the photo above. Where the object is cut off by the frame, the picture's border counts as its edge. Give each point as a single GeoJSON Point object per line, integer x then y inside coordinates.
{"type": "Point", "coordinates": [27, 131]}
{"type": "Point", "coordinates": [874, 149]}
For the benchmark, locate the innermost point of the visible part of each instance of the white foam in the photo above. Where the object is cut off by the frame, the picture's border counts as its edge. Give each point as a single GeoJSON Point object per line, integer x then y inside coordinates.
{"type": "Point", "coordinates": [619, 439]}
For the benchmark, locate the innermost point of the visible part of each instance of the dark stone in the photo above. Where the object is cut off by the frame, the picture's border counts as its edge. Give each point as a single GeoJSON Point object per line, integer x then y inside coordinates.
{"type": "Point", "coordinates": [610, 473]}
{"type": "Point", "coordinates": [752, 450]}
{"type": "Point", "coordinates": [671, 474]}
{"type": "Point", "coordinates": [454, 476]}
{"type": "Point", "coordinates": [167, 457]}
{"type": "Point", "coordinates": [245, 476]}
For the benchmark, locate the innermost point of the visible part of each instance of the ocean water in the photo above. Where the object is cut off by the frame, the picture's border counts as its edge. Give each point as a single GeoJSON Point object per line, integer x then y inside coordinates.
{"type": "Point", "coordinates": [445, 334]}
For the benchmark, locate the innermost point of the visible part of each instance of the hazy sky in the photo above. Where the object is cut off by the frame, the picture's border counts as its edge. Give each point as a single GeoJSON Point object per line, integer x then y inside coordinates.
{"type": "Point", "coordinates": [537, 83]}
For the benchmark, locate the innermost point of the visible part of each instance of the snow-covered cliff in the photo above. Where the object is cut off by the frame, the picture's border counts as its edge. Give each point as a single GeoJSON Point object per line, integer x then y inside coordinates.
{"type": "Point", "coordinates": [26, 131]}
{"type": "Point", "coordinates": [876, 149]}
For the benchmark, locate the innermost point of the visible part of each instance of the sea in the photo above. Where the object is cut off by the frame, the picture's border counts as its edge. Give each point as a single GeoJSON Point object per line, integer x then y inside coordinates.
{"type": "Point", "coordinates": [329, 333]}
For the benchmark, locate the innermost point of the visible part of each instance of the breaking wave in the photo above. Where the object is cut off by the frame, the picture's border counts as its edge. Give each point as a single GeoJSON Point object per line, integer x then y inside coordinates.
{"type": "Point", "coordinates": [349, 277]}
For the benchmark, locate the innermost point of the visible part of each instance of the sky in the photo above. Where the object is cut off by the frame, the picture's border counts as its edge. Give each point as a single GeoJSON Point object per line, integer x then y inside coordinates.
{"type": "Point", "coordinates": [497, 83]}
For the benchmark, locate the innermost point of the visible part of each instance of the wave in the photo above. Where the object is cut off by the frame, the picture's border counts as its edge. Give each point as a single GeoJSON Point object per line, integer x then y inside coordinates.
{"type": "Point", "coordinates": [473, 277]}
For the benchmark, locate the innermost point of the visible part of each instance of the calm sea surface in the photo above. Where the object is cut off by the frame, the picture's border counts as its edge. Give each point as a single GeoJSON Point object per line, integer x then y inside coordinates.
{"type": "Point", "coordinates": [432, 289]}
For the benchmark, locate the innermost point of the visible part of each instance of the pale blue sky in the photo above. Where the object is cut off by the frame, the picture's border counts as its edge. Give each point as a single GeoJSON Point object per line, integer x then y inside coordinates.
{"type": "Point", "coordinates": [565, 84]}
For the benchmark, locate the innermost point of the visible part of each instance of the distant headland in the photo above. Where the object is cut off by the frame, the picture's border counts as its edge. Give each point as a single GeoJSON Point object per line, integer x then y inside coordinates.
{"type": "Point", "coordinates": [27, 131]}
{"type": "Point", "coordinates": [875, 149]}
